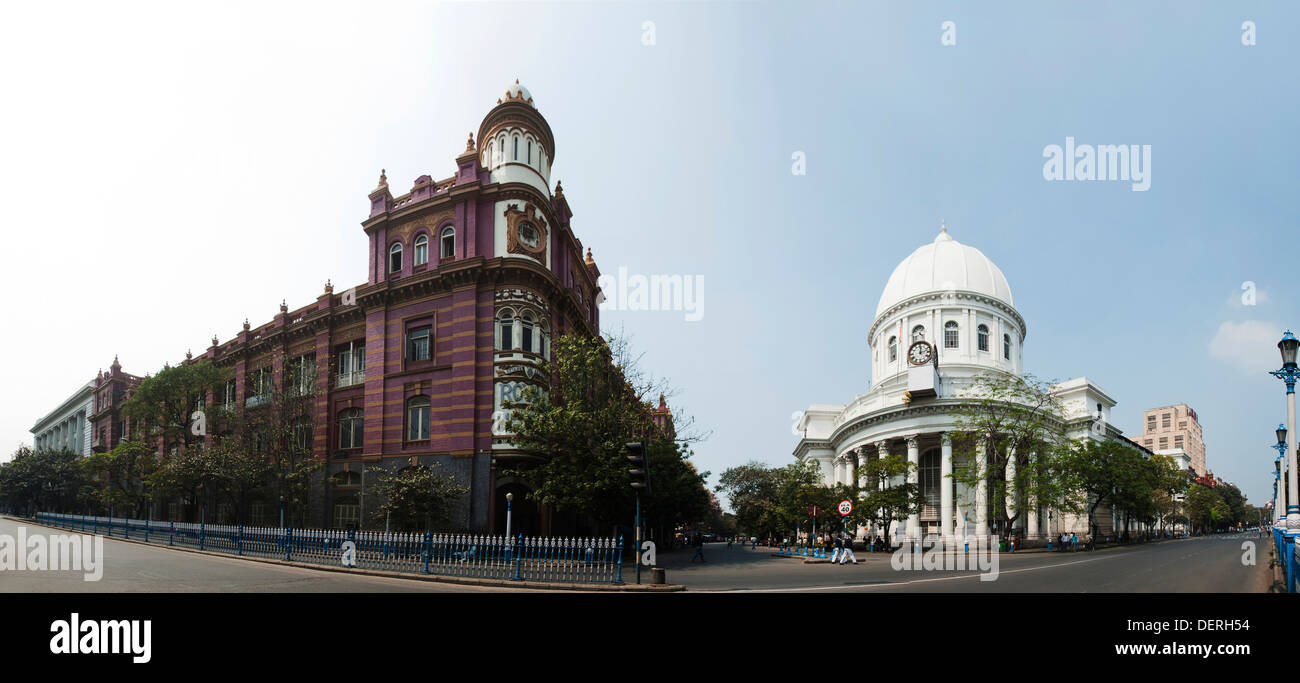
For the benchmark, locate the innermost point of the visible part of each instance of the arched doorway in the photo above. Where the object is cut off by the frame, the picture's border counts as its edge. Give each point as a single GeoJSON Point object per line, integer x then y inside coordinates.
{"type": "Point", "coordinates": [525, 517]}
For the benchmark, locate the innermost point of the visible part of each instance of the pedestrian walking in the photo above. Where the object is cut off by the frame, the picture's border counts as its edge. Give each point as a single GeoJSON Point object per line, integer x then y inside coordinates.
{"type": "Point", "coordinates": [698, 542]}
{"type": "Point", "coordinates": [848, 551]}
{"type": "Point", "coordinates": [730, 540]}
{"type": "Point", "coordinates": [753, 543]}
{"type": "Point", "coordinates": [1074, 542]}
{"type": "Point", "coordinates": [839, 548]}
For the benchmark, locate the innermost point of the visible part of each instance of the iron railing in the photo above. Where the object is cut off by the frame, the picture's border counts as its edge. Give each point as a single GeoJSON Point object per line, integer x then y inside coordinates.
{"type": "Point", "coordinates": [521, 558]}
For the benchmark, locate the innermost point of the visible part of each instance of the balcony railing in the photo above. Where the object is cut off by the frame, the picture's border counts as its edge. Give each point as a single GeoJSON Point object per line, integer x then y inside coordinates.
{"type": "Point", "coordinates": [255, 401]}
{"type": "Point", "coordinates": [347, 379]}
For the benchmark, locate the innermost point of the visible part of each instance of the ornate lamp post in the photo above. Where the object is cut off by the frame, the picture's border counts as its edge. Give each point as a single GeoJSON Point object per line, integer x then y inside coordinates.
{"type": "Point", "coordinates": [1277, 473]}
{"type": "Point", "coordinates": [1289, 373]}
{"type": "Point", "coordinates": [509, 499]}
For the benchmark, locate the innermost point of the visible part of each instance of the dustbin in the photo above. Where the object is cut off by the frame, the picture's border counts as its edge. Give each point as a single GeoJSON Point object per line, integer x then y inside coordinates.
{"type": "Point", "coordinates": [657, 576]}
{"type": "Point", "coordinates": [1002, 546]}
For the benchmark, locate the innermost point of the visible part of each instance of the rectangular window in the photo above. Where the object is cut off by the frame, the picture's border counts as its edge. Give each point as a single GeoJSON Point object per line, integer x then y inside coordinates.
{"type": "Point", "coordinates": [1164, 421]}
{"type": "Point", "coordinates": [950, 338]}
{"type": "Point", "coordinates": [302, 375]}
{"type": "Point", "coordinates": [1178, 441]}
{"type": "Point", "coordinates": [351, 364]}
{"type": "Point", "coordinates": [1164, 442]}
{"type": "Point", "coordinates": [417, 343]}
{"type": "Point", "coordinates": [417, 417]}
{"type": "Point", "coordinates": [230, 393]}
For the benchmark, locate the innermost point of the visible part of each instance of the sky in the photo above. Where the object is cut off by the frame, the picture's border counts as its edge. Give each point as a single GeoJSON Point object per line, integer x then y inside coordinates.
{"type": "Point", "coordinates": [172, 168]}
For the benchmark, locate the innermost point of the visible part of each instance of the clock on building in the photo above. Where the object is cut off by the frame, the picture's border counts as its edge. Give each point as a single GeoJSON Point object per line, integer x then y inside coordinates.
{"type": "Point", "coordinates": [920, 352]}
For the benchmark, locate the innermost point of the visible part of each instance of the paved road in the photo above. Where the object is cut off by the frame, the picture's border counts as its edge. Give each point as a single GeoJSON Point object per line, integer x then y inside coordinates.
{"type": "Point", "coordinates": [1210, 564]}
{"type": "Point", "coordinates": [135, 567]}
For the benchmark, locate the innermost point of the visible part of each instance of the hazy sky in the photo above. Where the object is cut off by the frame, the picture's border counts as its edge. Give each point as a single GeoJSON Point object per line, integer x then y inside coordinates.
{"type": "Point", "coordinates": [170, 170]}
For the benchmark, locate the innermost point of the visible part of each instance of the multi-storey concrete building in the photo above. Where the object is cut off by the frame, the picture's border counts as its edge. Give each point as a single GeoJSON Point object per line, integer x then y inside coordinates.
{"type": "Point", "coordinates": [1173, 427]}
{"type": "Point", "coordinates": [470, 277]}
{"type": "Point", "coordinates": [68, 427]}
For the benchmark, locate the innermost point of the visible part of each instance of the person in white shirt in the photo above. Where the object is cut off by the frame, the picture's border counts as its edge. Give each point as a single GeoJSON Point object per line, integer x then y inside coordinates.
{"type": "Point", "coordinates": [848, 551]}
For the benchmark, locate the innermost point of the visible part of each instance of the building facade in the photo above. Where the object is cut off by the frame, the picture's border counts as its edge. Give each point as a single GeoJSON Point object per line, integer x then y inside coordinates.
{"type": "Point", "coordinates": [470, 277]}
{"type": "Point", "coordinates": [68, 427]}
{"type": "Point", "coordinates": [112, 389]}
{"type": "Point", "coordinates": [946, 315]}
{"type": "Point", "coordinates": [1175, 426]}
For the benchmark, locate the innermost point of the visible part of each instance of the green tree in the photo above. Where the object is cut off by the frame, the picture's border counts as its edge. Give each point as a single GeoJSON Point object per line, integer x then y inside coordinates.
{"type": "Point", "coordinates": [752, 490]}
{"type": "Point", "coordinates": [45, 480]}
{"type": "Point", "coordinates": [417, 498]}
{"type": "Point", "coordinates": [577, 429]}
{"type": "Point", "coordinates": [884, 501]}
{"type": "Point", "coordinates": [163, 405]}
{"type": "Point", "coordinates": [1010, 417]}
{"type": "Point", "coordinates": [121, 476]}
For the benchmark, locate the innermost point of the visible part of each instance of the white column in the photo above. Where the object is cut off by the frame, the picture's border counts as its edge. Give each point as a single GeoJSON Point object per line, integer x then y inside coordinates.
{"type": "Point", "coordinates": [862, 467]}
{"type": "Point", "coordinates": [945, 489]}
{"type": "Point", "coordinates": [882, 452]}
{"type": "Point", "coordinates": [913, 461]}
{"type": "Point", "coordinates": [849, 474]}
{"type": "Point", "coordinates": [1031, 505]}
{"type": "Point", "coordinates": [838, 471]}
{"type": "Point", "coordinates": [982, 492]}
{"type": "Point", "coordinates": [1012, 502]}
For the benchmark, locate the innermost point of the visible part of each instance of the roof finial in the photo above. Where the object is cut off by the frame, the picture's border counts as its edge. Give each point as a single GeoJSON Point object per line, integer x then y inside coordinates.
{"type": "Point", "coordinates": [942, 227]}
{"type": "Point", "coordinates": [589, 260]}
{"type": "Point", "coordinates": [470, 145]}
{"type": "Point", "coordinates": [383, 177]}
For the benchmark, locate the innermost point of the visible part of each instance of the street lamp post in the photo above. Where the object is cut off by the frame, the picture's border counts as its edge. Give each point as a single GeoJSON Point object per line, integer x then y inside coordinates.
{"type": "Point", "coordinates": [1289, 373]}
{"type": "Point", "coordinates": [1277, 473]}
{"type": "Point", "coordinates": [509, 499]}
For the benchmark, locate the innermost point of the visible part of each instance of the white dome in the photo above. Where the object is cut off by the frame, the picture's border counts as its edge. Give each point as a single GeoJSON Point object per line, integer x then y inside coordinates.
{"type": "Point", "coordinates": [944, 264]}
{"type": "Point", "coordinates": [516, 92]}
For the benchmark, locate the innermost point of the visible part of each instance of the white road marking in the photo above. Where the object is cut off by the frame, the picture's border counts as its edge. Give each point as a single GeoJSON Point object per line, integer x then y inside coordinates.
{"type": "Point", "coordinates": [904, 583]}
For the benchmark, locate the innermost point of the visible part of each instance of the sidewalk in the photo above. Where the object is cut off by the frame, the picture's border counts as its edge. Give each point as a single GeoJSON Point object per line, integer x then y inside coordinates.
{"type": "Point", "coordinates": [629, 570]}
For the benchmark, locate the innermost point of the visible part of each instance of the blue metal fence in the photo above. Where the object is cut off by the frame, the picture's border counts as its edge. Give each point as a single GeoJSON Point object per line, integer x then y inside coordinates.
{"type": "Point", "coordinates": [1286, 553]}
{"type": "Point", "coordinates": [522, 558]}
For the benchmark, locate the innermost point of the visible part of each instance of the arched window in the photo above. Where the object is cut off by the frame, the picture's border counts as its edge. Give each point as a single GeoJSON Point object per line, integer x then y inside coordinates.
{"type": "Point", "coordinates": [893, 349]}
{"type": "Point", "coordinates": [350, 428]}
{"type": "Point", "coordinates": [543, 341]}
{"type": "Point", "coordinates": [516, 148]}
{"type": "Point", "coordinates": [527, 324]}
{"type": "Point", "coordinates": [918, 333]}
{"type": "Point", "coordinates": [505, 330]}
{"type": "Point", "coordinates": [346, 479]}
{"type": "Point", "coordinates": [492, 153]}
{"type": "Point", "coordinates": [530, 152]}
{"type": "Point", "coordinates": [417, 419]}
{"type": "Point", "coordinates": [395, 257]}
{"type": "Point", "coordinates": [1006, 346]}
{"type": "Point", "coordinates": [950, 334]}
{"type": "Point", "coordinates": [449, 243]}
{"type": "Point", "coordinates": [421, 250]}
{"type": "Point", "coordinates": [983, 331]}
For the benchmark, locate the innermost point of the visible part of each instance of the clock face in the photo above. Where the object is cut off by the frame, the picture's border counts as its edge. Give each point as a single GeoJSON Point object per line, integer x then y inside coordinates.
{"type": "Point", "coordinates": [920, 353]}
{"type": "Point", "coordinates": [528, 235]}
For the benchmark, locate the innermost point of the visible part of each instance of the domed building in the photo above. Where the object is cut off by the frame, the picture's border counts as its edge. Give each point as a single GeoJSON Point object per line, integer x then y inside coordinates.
{"type": "Point", "coordinates": [945, 316]}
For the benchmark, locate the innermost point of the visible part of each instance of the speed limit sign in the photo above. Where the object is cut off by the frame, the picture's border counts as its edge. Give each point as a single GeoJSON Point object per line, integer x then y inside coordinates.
{"type": "Point", "coordinates": [846, 507]}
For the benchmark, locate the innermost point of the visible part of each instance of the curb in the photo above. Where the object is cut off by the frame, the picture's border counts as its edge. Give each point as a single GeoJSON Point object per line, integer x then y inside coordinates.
{"type": "Point", "coordinates": [436, 578]}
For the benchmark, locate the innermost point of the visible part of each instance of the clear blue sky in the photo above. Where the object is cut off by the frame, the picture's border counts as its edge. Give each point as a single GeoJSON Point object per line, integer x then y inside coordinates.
{"type": "Point", "coordinates": [268, 126]}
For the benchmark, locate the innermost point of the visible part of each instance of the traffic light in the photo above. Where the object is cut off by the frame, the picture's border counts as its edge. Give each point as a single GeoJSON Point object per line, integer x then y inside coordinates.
{"type": "Point", "coordinates": [639, 460]}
